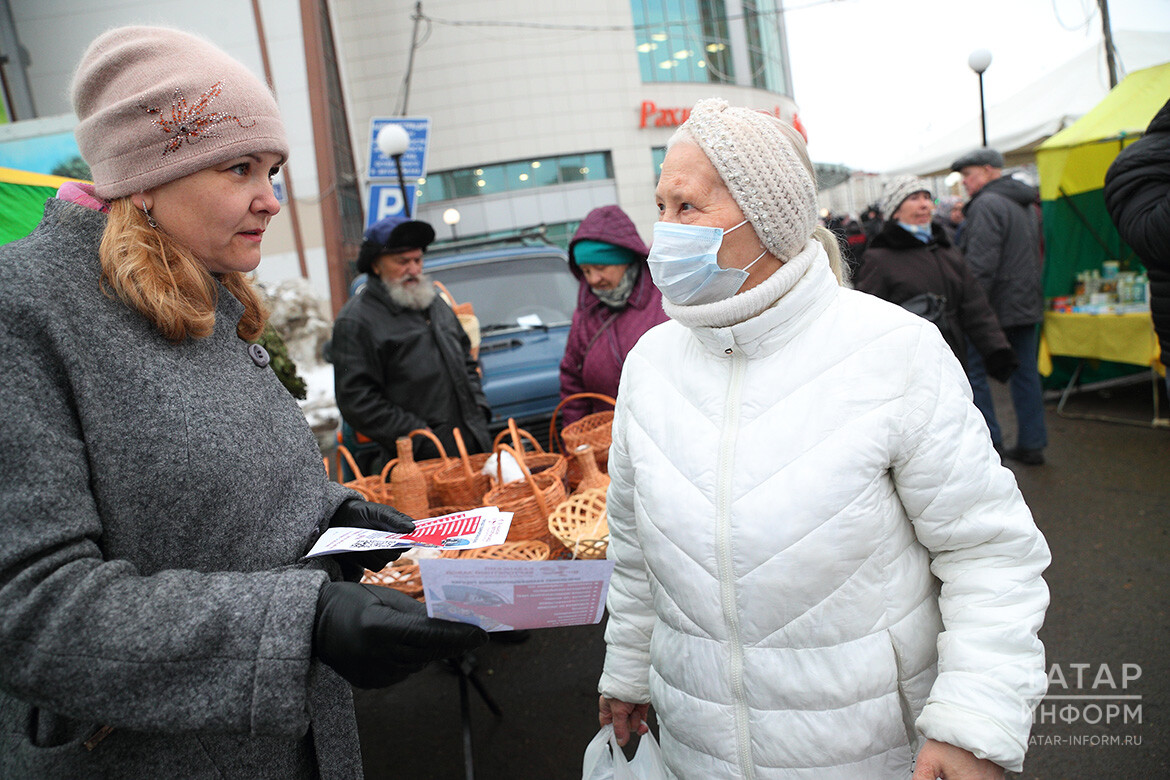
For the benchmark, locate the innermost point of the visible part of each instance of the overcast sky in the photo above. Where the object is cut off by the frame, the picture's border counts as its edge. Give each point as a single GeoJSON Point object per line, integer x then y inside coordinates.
{"type": "Point", "coordinates": [870, 75]}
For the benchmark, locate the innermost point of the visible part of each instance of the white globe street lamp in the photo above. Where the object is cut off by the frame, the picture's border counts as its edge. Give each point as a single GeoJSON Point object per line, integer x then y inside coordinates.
{"type": "Point", "coordinates": [979, 61]}
{"type": "Point", "coordinates": [393, 141]}
{"type": "Point", "coordinates": [451, 217]}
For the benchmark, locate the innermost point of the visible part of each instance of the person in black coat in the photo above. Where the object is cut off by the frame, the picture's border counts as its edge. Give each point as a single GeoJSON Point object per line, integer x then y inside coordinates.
{"type": "Point", "coordinates": [1000, 241]}
{"type": "Point", "coordinates": [912, 258]}
{"type": "Point", "coordinates": [401, 360]}
{"type": "Point", "coordinates": [1137, 195]}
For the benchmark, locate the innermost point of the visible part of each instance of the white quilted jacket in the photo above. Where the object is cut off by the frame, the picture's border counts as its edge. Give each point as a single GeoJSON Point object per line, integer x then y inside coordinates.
{"type": "Point", "coordinates": [782, 490]}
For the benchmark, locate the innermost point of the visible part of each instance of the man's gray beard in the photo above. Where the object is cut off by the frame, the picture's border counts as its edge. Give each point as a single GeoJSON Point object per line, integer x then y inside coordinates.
{"type": "Point", "coordinates": [418, 296]}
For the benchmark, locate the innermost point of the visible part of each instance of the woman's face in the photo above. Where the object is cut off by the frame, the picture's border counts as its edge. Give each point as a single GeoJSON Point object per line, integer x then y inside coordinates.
{"type": "Point", "coordinates": [602, 277]}
{"type": "Point", "coordinates": [219, 213]}
{"type": "Point", "coordinates": [690, 192]}
{"type": "Point", "coordinates": [915, 210]}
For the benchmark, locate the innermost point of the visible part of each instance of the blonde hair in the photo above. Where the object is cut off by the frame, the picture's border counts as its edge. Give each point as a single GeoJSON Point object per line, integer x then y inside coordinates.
{"type": "Point", "coordinates": [150, 272]}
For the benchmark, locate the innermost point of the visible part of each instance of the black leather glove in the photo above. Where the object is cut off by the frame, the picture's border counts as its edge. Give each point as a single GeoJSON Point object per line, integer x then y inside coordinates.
{"type": "Point", "coordinates": [1001, 363]}
{"type": "Point", "coordinates": [357, 513]}
{"type": "Point", "coordinates": [375, 636]}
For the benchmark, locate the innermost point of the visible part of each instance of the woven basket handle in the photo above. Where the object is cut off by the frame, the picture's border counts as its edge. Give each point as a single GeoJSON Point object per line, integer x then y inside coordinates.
{"type": "Point", "coordinates": [430, 435]}
{"type": "Point", "coordinates": [528, 476]}
{"type": "Point", "coordinates": [349, 459]}
{"type": "Point", "coordinates": [553, 437]}
{"type": "Point", "coordinates": [523, 435]}
{"type": "Point", "coordinates": [386, 469]}
{"type": "Point", "coordinates": [517, 449]}
{"type": "Point", "coordinates": [468, 474]}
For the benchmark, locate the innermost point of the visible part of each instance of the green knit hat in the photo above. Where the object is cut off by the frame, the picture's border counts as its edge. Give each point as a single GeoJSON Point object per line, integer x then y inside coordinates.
{"type": "Point", "coordinates": [586, 252]}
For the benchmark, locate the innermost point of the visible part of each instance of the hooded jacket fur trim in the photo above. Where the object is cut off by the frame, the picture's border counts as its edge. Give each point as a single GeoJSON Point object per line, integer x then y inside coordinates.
{"type": "Point", "coordinates": [782, 490]}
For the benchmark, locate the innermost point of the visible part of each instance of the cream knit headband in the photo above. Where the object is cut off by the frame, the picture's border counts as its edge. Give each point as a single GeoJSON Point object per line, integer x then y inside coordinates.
{"type": "Point", "coordinates": [761, 169]}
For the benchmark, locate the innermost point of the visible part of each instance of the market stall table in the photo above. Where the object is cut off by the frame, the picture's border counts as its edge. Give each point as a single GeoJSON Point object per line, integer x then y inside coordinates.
{"type": "Point", "coordinates": [1122, 338]}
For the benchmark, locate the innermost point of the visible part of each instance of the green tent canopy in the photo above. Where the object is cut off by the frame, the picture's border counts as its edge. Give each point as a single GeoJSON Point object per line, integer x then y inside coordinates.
{"type": "Point", "coordinates": [1078, 233]}
{"type": "Point", "coordinates": [22, 201]}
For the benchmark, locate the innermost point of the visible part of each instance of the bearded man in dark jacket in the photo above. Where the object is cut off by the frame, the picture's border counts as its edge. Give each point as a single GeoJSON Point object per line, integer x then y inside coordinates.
{"type": "Point", "coordinates": [401, 360]}
{"type": "Point", "coordinates": [1001, 243]}
{"type": "Point", "coordinates": [1137, 195]}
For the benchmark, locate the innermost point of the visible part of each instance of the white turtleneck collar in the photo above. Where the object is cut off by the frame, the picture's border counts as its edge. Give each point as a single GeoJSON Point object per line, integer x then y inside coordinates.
{"type": "Point", "coordinates": [760, 320]}
{"type": "Point", "coordinates": [745, 305]}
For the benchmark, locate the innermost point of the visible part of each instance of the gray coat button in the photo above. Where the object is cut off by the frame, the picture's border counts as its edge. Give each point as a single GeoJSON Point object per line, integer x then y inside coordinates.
{"type": "Point", "coordinates": [258, 354]}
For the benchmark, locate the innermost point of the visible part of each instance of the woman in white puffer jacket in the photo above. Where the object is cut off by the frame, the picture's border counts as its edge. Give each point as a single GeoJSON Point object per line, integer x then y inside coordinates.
{"type": "Point", "coordinates": [821, 568]}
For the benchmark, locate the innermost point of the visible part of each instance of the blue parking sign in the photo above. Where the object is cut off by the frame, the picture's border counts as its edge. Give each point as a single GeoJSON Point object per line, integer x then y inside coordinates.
{"type": "Point", "coordinates": [385, 200]}
{"type": "Point", "coordinates": [414, 159]}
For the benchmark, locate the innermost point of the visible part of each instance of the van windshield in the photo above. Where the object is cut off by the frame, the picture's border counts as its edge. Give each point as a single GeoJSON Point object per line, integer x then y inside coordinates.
{"type": "Point", "coordinates": [540, 291]}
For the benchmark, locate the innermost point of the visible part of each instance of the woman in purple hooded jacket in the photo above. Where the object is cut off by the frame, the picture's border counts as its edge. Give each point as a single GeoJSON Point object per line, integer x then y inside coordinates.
{"type": "Point", "coordinates": [616, 304]}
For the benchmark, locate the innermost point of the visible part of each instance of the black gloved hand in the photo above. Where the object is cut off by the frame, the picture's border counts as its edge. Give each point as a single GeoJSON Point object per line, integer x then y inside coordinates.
{"type": "Point", "coordinates": [1001, 363]}
{"type": "Point", "coordinates": [375, 636]}
{"type": "Point", "coordinates": [357, 513]}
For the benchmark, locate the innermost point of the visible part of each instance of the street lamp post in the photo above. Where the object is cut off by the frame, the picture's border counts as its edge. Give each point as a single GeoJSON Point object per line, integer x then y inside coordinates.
{"type": "Point", "coordinates": [451, 217]}
{"type": "Point", "coordinates": [979, 60]}
{"type": "Point", "coordinates": [393, 141]}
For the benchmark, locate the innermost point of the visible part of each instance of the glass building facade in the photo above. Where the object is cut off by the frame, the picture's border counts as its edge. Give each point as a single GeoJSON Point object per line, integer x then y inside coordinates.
{"type": "Point", "coordinates": [712, 41]}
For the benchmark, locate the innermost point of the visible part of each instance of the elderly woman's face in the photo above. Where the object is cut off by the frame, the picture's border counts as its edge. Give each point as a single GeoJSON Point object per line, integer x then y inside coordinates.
{"type": "Point", "coordinates": [690, 192]}
{"type": "Point", "coordinates": [220, 213]}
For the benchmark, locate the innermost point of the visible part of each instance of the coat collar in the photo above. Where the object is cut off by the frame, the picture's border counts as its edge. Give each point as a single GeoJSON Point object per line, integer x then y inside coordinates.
{"type": "Point", "coordinates": [894, 236]}
{"type": "Point", "coordinates": [804, 288]}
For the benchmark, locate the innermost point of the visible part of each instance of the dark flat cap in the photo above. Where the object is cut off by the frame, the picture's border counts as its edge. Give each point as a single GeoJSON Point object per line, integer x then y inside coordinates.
{"type": "Point", "coordinates": [984, 155]}
{"type": "Point", "coordinates": [390, 235]}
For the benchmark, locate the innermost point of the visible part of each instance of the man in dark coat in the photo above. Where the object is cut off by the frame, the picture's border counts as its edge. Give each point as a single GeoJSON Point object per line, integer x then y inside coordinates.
{"type": "Point", "coordinates": [1001, 243]}
{"type": "Point", "coordinates": [401, 360]}
{"type": "Point", "coordinates": [1137, 194]}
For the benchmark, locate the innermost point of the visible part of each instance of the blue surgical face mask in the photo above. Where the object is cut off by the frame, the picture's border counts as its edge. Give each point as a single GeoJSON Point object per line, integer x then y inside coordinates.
{"type": "Point", "coordinates": [683, 263]}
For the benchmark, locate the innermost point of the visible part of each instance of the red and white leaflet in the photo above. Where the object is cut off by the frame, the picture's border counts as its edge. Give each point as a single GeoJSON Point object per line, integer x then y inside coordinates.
{"type": "Point", "coordinates": [467, 530]}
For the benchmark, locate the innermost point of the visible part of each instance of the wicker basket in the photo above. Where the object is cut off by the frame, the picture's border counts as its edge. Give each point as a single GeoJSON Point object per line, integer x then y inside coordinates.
{"type": "Point", "coordinates": [538, 461]}
{"type": "Point", "coordinates": [460, 483]}
{"type": "Point", "coordinates": [581, 524]}
{"type": "Point", "coordinates": [402, 575]}
{"type": "Point", "coordinates": [374, 487]}
{"type": "Point", "coordinates": [528, 550]}
{"type": "Point", "coordinates": [431, 466]}
{"type": "Point", "coordinates": [530, 501]}
{"type": "Point", "coordinates": [592, 429]}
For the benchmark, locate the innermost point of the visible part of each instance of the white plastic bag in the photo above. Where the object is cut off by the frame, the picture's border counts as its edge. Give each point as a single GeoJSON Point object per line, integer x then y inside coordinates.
{"type": "Point", "coordinates": [511, 469]}
{"type": "Point", "coordinates": [604, 759]}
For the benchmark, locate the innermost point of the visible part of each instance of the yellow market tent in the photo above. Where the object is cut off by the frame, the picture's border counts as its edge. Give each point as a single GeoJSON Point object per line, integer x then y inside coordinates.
{"type": "Point", "coordinates": [1078, 233]}
{"type": "Point", "coordinates": [22, 201]}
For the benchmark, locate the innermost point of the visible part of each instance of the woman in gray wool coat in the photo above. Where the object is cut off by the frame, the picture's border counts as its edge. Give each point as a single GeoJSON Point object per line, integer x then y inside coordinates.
{"type": "Point", "coordinates": [159, 487]}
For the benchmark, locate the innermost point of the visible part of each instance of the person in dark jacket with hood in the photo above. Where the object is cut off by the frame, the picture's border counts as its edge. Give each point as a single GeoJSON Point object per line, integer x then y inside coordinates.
{"type": "Point", "coordinates": [1137, 195]}
{"type": "Point", "coordinates": [912, 256]}
{"type": "Point", "coordinates": [1001, 242]}
{"type": "Point", "coordinates": [616, 304]}
{"type": "Point", "coordinates": [401, 360]}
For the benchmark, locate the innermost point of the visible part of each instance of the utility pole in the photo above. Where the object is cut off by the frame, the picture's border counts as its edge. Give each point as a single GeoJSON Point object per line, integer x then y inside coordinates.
{"type": "Point", "coordinates": [410, 58]}
{"type": "Point", "coordinates": [298, 241]}
{"type": "Point", "coordinates": [1108, 31]}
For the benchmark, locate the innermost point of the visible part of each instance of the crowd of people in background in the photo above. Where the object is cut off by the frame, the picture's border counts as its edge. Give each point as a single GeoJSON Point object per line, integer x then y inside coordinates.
{"type": "Point", "coordinates": [977, 276]}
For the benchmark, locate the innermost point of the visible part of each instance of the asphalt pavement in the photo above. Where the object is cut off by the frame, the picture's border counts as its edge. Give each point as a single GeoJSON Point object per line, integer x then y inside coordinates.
{"type": "Point", "coordinates": [1103, 502]}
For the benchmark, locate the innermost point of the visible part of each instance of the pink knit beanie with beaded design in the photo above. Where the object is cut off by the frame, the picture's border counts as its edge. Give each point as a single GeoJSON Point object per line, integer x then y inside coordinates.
{"type": "Point", "coordinates": [157, 104]}
{"type": "Point", "coordinates": [761, 169]}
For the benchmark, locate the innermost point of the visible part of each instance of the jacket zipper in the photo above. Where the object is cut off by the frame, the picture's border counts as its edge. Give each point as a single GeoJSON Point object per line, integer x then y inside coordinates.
{"type": "Point", "coordinates": [726, 574]}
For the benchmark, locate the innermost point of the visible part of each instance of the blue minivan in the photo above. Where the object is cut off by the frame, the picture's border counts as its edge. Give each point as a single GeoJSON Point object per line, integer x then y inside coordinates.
{"type": "Point", "coordinates": [524, 296]}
